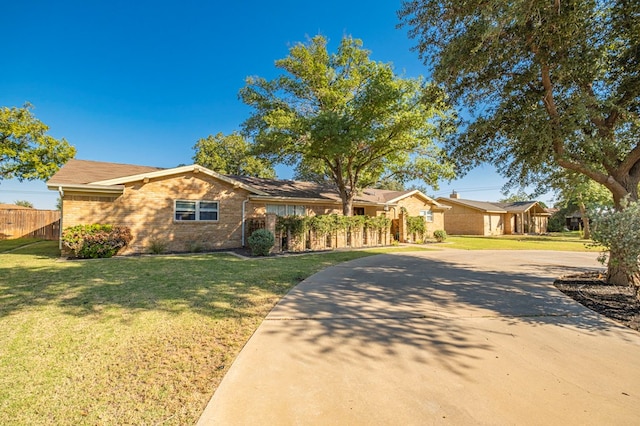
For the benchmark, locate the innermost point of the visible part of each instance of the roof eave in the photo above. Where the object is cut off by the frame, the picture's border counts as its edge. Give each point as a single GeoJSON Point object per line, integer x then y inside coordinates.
{"type": "Point", "coordinates": [103, 189]}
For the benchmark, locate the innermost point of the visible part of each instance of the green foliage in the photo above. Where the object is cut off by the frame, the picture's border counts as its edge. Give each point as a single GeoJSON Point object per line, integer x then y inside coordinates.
{"type": "Point", "coordinates": [95, 241]}
{"type": "Point", "coordinates": [26, 151]}
{"type": "Point", "coordinates": [296, 225]}
{"type": "Point", "coordinates": [346, 119]}
{"type": "Point", "coordinates": [619, 233]}
{"type": "Point", "coordinates": [440, 235]}
{"type": "Point", "coordinates": [231, 155]}
{"type": "Point", "coordinates": [24, 203]}
{"type": "Point", "coordinates": [548, 84]}
{"type": "Point", "coordinates": [416, 225]}
{"type": "Point", "coordinates": [261, 242]}
{"type": "Point", "coordinates": [557, 222]}
{"type": "Point", "coordinates": [157, 246]}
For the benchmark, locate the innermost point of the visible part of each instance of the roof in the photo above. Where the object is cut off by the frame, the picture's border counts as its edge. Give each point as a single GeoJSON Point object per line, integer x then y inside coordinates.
{"type": "Point", "coordinates": [79, 172]}
{"type": "Point", "coordinates": [491, 207]}
{"type": "Point", "coordinates": [110, 177]}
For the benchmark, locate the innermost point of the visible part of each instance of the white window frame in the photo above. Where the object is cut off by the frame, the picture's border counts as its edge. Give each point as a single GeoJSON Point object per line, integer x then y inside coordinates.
{"type": "Point", "coordinates": [286, 209]}
{"type": "Point", "coordinates": [199, 207]}
{"type": "Point", "coordinates": [428, 215]}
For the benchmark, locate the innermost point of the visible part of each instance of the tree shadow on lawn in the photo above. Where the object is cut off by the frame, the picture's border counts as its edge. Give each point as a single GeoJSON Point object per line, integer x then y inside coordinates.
{"type": "Point", "coordinates": [211, 285]}
{"type": "Point", "coordinates": [431, 310]}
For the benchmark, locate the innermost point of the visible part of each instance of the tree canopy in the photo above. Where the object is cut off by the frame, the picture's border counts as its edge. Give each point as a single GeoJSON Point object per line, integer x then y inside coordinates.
{"type": "Point", "coordinates": [26, 151]}
{"type": "Point", "coordinates": [346, 119]}
{"type": "Point", "coordinates": [547, 84]}
{"type": "Point", "coordinates": [231, 155]}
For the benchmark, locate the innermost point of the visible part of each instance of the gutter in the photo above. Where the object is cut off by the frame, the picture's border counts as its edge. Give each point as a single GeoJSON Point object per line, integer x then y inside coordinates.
{"type": "Point", "coordinates": [244, 203]}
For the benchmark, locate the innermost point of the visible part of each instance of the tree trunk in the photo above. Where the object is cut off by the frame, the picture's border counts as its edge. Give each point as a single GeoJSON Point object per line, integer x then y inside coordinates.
{"type": "Point", "coordinates": [586, 226]}
{"type": "Point", "coordinates": [618, 275]}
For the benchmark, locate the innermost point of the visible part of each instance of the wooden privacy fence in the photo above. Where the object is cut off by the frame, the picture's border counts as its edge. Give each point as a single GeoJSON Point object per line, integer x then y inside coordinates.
{"type": "Point", "coordinates": [29, 223]}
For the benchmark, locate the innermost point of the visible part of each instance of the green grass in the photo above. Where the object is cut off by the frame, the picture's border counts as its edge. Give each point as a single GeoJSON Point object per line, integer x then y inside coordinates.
{"type": "Point", "coordinates": [568, 241]}
{"type": "Point", "coordinates": [135, 340]}
{"type": "Point", "coordinates": [6, 245]}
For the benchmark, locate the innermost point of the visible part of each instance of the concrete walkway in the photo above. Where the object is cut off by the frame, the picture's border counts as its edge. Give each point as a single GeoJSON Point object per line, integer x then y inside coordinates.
{"type": "Point", "coordinates": [442, 337]}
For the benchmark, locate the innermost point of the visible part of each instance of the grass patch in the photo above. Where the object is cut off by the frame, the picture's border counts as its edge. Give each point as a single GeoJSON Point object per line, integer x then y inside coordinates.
{"type": "Point", "coordinates": [137, 340]}
{"type": "Point", "coordinates": [569, 241]}
{"type": "Point", "coordinates": [7, 245]}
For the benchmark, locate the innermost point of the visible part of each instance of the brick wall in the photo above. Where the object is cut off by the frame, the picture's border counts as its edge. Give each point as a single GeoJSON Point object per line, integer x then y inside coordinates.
{"type": "Point", "coordinates": [461, 220]}
{"type": "Point", "coordinates": [148, 209]}
{"type": "Point", "coordinates": [414, 204]}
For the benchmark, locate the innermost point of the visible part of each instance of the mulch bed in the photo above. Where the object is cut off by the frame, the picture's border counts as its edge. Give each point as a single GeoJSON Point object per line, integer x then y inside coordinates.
{"type": "Point", "coordinates": [591, 290]}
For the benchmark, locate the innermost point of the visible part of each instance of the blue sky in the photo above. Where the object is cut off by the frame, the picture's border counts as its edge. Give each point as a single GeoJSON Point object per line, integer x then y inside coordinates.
{"type": "Point", "coordinates": [139, 82]}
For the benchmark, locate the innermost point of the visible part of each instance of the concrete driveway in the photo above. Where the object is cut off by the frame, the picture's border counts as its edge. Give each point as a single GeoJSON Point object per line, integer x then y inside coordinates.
{"type": "Point", "coordinates": [440, 337]}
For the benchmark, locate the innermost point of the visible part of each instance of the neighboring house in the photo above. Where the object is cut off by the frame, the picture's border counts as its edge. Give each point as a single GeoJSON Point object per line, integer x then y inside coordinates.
{"type": "Point", "coordinates": [192, 205]}
{"type": "Point", "coordinates": [469, 217]}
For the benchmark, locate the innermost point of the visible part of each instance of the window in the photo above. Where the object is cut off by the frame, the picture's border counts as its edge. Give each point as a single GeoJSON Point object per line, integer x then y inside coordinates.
{"type": "Point", "coordinates": [286, 210]}
{"type": "Point", "coordinates": [196, 210]}
{"type": "Point", "coordinates": [428, 215]}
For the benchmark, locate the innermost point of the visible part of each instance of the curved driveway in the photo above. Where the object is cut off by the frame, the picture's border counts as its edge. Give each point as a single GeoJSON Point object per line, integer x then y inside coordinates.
{"type": "Point", "coordinates": [439, 337]}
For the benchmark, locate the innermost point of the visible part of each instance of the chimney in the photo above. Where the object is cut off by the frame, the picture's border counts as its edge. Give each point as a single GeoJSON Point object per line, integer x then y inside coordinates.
{"type": "Point", "coordinates": [455, 195]}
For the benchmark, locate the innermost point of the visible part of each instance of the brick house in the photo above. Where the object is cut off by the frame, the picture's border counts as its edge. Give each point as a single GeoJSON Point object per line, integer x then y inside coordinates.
{"type": "Point", "coordinates": [470, 217]}
{"type": "Point", "coordinates": [192, 205]}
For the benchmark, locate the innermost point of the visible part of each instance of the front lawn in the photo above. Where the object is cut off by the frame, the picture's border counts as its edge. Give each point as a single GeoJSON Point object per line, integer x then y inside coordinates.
{"type": "Point", "coordinates": [135, 340]}
{"type": "Point", "coordinates": [569, 241]}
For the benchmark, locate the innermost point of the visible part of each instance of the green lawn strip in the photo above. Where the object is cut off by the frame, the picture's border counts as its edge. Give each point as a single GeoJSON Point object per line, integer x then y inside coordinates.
{"type": "Point", "coordinates": [134, 340]}
{"type": "Point", "coordinates": [7, 245]}
{"type": "Point", "coordinates": [557, 242]}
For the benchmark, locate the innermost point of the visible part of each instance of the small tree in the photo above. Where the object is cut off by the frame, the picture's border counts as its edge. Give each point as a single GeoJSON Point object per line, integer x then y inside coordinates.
{"type": "Point", "coordinates": [619, 233]}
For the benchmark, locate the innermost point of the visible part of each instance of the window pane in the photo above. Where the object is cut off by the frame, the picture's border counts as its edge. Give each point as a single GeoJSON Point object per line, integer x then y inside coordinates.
{"type": "Point", "coordinates": [185, 210]}
{"type": "Point", "coordinates": [208, 206]}
{"type": "Point", "coordinates": [208, 215]}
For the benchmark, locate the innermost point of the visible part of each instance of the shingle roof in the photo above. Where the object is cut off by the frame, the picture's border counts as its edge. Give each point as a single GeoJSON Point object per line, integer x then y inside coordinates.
{"type": "Point", "coordinates": [299, 189]}
{"type": "Point", "coordinates": [79, 172]}
{"type": "Point", "coordinates": [85, 172]}
{"type": "Point", "coordinates": [491, 207]}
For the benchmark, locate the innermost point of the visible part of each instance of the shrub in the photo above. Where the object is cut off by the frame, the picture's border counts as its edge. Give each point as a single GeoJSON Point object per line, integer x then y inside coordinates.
{"type": "Point", "coordinates": [157, 246]}
{"type": "Point", "coordinates": [261, 242]}
{"type": "Point", "coordinates": [95, 241]}
{"type": "Point", "coordinates": [440, 235]}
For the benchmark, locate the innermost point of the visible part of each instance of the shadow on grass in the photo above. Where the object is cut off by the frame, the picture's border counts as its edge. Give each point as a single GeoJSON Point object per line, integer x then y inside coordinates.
{"type": "Point", "coordinates": [216, 285]}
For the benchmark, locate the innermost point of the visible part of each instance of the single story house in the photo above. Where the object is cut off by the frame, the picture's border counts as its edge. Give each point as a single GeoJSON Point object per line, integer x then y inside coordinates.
{"type": "Point", "coordinates": [470, 217]}
{"type": "Point", "coordinates": [192, 205]}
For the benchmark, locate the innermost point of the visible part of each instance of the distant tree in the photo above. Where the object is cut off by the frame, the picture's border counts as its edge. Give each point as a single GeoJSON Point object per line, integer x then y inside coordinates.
{"type": "Point", "coordinates": [521, 195]}
{"type": "Point", "coordinates": [347, 119]}
{"type": "Point", "coordinates": [59, 204]}
{"type": "Point", "coordinates": [26, 151]}
{"type": "Point", "coordinates": [546, 84]}
{"type": "Point", "coordinates": [577, 192]}
{"type": "Point", "coordinates": [24, 203]}
{"type": "Point", "coordinates": [231, 155]}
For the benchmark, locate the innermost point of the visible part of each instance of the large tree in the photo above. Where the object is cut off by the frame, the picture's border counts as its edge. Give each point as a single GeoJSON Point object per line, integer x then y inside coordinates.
{"type": "Point", "coordinates": [26, 151]}
{"type": "Point", "coordinates": [548, 84]}
{"type": "Point", "coordinates": [231, 155]}
{"type": "Point", "coordinates": [349, 119]}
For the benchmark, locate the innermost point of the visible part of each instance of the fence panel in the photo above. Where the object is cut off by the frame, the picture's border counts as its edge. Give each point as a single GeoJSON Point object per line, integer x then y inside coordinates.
{"type": "Point", "coordinates": [29, 223]}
